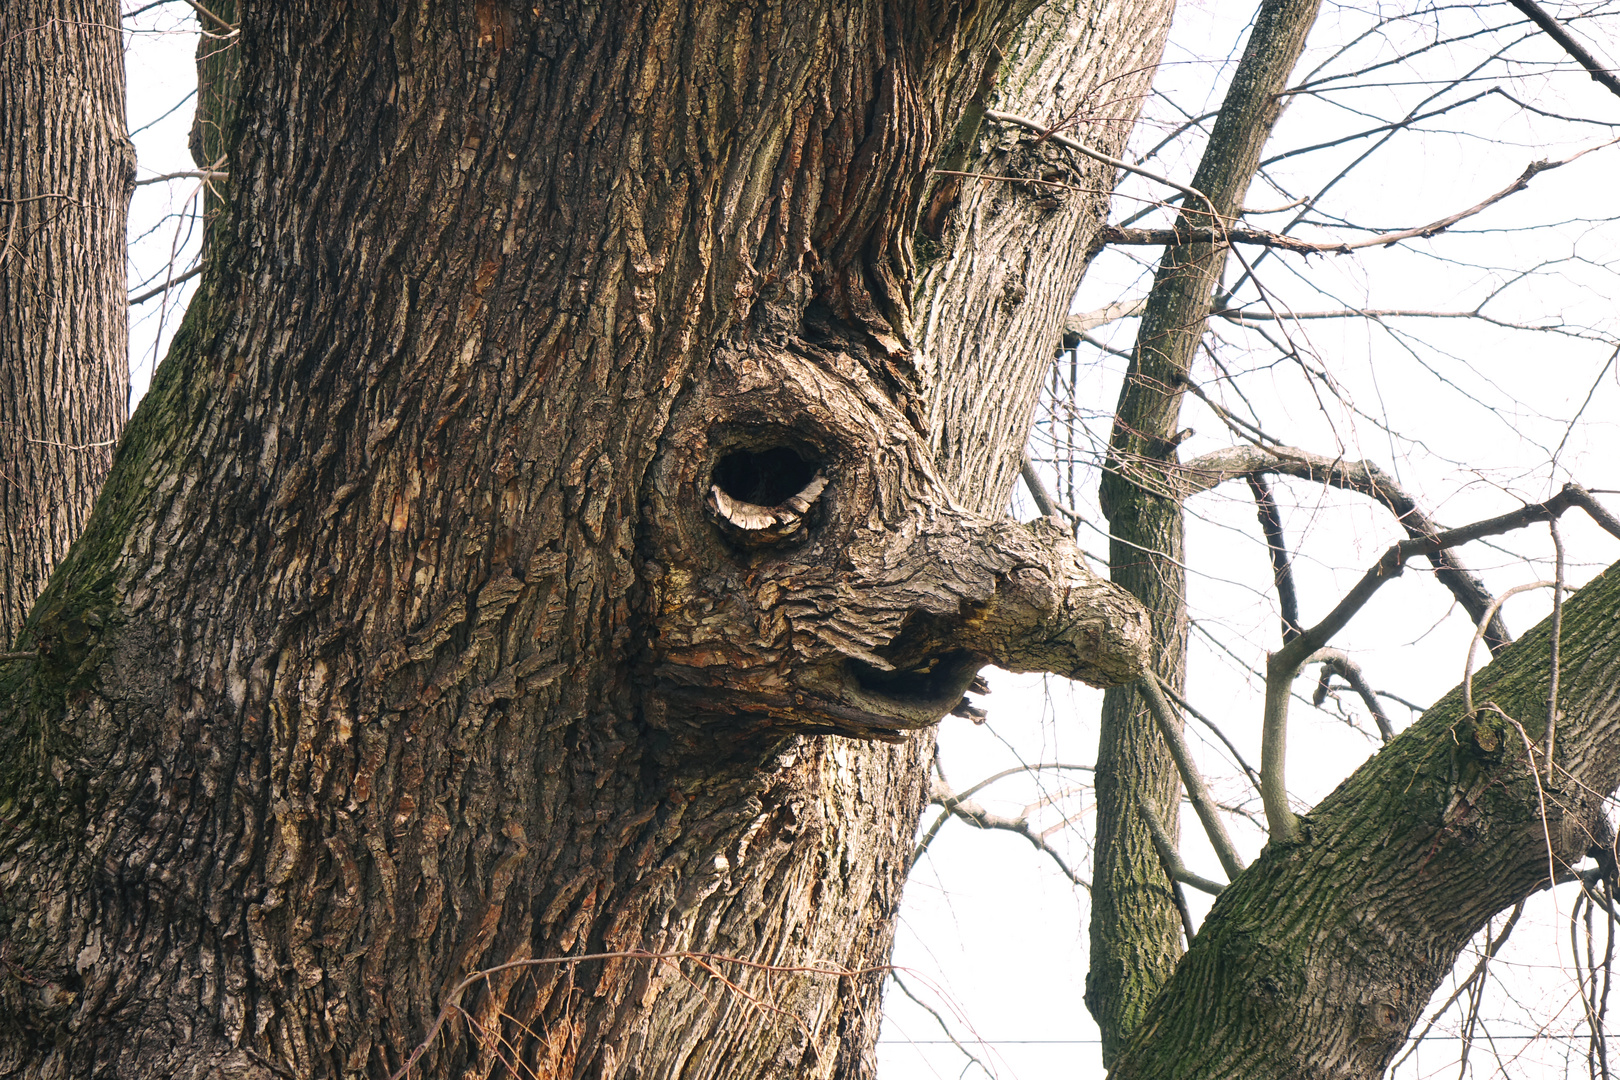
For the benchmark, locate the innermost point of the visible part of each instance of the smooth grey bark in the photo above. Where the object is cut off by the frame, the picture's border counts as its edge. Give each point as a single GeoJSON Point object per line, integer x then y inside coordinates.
{"type": "Point", "coordinates": [65, 173]}
{"type": "Point", "coordinates": [418, 630]}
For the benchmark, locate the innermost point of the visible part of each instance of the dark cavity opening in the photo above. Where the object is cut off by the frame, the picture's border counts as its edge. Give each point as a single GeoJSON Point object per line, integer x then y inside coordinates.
{"type": "Point", "coordinates": [939, 678]}
{"type": "Point", "coordinates": [765, 477]}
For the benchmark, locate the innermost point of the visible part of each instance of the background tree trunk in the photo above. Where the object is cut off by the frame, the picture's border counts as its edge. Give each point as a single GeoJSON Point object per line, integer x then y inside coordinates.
{"type": "Point", "coordinates": [406, 640]}
{"type": "Point", "coordinates": [1135, 928]}
{"type": "Point", "coordinates": [65, 174]}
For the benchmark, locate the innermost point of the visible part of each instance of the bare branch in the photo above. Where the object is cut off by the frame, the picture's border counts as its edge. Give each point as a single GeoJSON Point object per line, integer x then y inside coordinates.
{"type": "Point", "coordinates": [189, 174]}
{"type": "Point", "coordinates": [969, 792]}
{"type": "Point", "coordinates": [166, 286]}
{"type": "Point", "coordinates": [1260, 237]}
{"type": "Point", "coordinates": [977, 816]}
{"type": "Point", "coordinates": [1197, 793]}
{"type": "Point", "coordinates": [1282, 574]}
{"type": "Point", "coordinates": [1337, 662]}
{"type": "Point", "coordinates": [1076, 327]}
{"type": "Point", "coordinates": [1187, 707]}
{"type": "Point", "coordinates": [1566, 41]}
{"type": "Point", "coordinates": [1037, 490]}
{"type": "Point", "coordinates": [1115, 234]}
{"type": "Point", "coordinates": [940, 1020]}
{"type": "Point", "coordinates": [1174, 868]}
{"type": "Point", "coordinates": [1468, 661]}
{"type": "Point", "coordinates": [1364, 478]}
{"type": "Point", "coordinates": [1284, 664]}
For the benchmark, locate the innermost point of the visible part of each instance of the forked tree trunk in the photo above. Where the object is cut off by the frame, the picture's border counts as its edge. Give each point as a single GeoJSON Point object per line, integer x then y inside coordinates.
{"type": "Point", "coordinates": [65, 173]}
{"type": "Point", "coordinates": [531, 549]}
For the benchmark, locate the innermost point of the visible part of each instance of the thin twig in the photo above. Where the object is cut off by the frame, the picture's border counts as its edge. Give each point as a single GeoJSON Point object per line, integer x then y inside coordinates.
{"type": "Point", "coordinates": [1479, 632]}
{"type": "Point", "coordinates": [940, 1020]}
{"type": "Point", "coordinates": [1096, 155]}
{"type": "Point", "coordinates": [189, 174]}
{"type": "Point", "coordinates": [977, 816]}
{"type": "Point", "coordinates": [1187, 707]}
{"type": "Point", "coordinates": [1112, 234]}
{"type": "Point", "coordinates": [969, 792]}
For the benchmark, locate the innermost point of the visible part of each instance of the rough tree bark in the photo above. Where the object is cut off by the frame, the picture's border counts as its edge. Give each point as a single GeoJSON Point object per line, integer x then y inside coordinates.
{"type": "Point", "coordinates": [532, 548]}
{"type": "Point", "coordinates": [1318, 959]}
{"type": "Point", "coordinates": [65, 173]}
{"type": "Point", "coordinates": [1135, 927]}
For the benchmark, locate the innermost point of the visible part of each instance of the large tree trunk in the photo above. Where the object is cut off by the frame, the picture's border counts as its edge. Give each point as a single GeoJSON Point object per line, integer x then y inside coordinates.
{"type": "Point", "coordinates": [536, 500]}
{"type": "Point", "coordinates": [65, 173]}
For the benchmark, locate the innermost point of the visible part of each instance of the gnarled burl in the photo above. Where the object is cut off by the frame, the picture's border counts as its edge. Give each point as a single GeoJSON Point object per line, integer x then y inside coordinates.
{"type": "Point", "coordinates": [537, 491]}
{"type": "Point", "coordinates": [809, 572]}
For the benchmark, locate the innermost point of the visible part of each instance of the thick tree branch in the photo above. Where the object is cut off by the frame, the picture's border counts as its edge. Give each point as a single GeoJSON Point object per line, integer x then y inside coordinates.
{"type": "Point", "coordinates": [1131, 923]}
{"type": "Point", "coordinates": [1284, 664]}
{"type": "Point", "coordinates": [1038, 490]}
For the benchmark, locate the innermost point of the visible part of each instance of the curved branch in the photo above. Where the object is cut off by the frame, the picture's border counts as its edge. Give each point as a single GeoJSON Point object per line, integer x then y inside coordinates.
{"type": "Point", "coordinates": [1336, 662]}
{"type": "Point", "coordinates": [1364, 478]}
{"type": "Point", "coordinates": [977, 816]}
